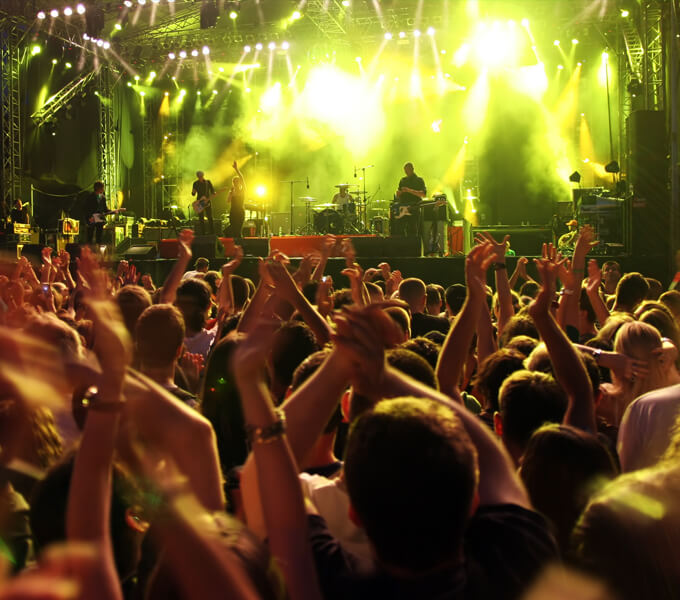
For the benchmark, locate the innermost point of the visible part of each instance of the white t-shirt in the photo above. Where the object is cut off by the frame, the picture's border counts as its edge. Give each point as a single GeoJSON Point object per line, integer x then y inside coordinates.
{"type": "Point", "coordinates": [201, 342]}
{"type": "Point", "coordinates": [646, 428]}
{"type": "Point", "coordinates": [330, 499]}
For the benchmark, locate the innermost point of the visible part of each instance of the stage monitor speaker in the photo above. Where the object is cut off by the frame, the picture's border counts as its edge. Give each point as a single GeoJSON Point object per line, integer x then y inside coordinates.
{"type": "Point", "coordinates": [280, 223]}
{"type": "Point", "coordinates": [208, 246]}
{"type": "Point", "coordinates": [168, 248]}
{"type": "Point", "coordinates": [524, 241]}
{"type": "Point", "coordinates": [140, 251]}
{"type": "Point", "coordinates": [648, 175]}
{"type": "Point", "coordinates": [401, 247]}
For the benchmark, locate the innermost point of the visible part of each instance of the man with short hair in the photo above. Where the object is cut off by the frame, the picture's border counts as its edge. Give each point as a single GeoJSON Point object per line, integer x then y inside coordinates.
{"type": "Point", "coordinates": [413, 292]}
{"type": "Point", "coordinates": [194, 302]}
{"type": "Point", "coordinates": [630, 291]}
{"type": "Point", "coordinates": [203, 189]}
{"type": "Point", "coordinates": [454, 298]}
{"type": "Point", "coordinates": [201, 267]}
{"type": "Point", "coordinates": [159, 337]}
{"type": "Point", "coordinates": [406, 209]}
{"type": "Point", "coordinates": [611, 273]}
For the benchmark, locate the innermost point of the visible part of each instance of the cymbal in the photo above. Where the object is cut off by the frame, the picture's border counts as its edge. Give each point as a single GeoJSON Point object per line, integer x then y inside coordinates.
{"type": "Point", "coordinates": [328, 205]}
{"type": "Point", "coordinates": [347, 185]}
{"type": "Point", "coordinates": [380, 202]}
{"type": "Point", "coordinates": [307, 198]}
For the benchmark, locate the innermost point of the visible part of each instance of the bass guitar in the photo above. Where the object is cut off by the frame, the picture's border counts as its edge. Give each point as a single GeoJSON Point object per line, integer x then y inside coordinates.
{"type": "Point", "coordinates": [100, 217]}
{"type": "Point", "coordinates": [204, 201]}
{"type": "Point", "coordinates": [399, 211]}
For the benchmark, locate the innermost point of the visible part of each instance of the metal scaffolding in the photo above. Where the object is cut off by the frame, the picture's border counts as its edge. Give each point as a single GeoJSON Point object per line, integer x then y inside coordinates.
{"type": "Point", "coordinates": [107, 157]}
{"type": "Point", "coordinates": [329, 24]}
{"type": "Point", "coordinates": [61, 99]}
{"type": "Point", "coordinates": [10, 107]}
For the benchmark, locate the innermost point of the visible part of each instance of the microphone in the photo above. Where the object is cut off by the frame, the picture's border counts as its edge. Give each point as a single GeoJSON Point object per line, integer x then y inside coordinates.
{"type": "Point", "coordinates": [307, 182]}
{"type": "Point", "coordinates": [355, 171]}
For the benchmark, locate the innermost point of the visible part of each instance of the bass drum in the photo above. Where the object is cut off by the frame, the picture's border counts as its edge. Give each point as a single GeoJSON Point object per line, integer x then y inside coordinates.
{"type": "Point", "coordinates": [380, 226]}
{"type": "Point", "coordinates": [328, 221]}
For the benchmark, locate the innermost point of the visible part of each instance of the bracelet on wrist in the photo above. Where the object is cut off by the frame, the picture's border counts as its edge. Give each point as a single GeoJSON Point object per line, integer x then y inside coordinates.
{"type": "Point", "coordinates": [499, 266]}
{"type": "Point", "coordinates": [568, 292]}
{"type": "Point", "coordinates": [268, 433]}
{"type": "Point", "coordinates": [93, 401]}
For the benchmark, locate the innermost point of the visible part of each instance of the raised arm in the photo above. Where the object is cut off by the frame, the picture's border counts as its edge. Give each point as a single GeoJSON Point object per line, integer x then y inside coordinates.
{"type": "Point", "coordinates": [455, 350]}
{"type": "Point", "coordinates": [593, 290]}
{"type": "Point", "coordinates": [505, 308]}
{"type": "Point", "coordinates": [282, 500]}
{"type": "Point", "coordinates": [174, 278]}
{"type": "Point", "coordinates": [238, 172]}
{"type": "Point", "coordinates": [568, 367]}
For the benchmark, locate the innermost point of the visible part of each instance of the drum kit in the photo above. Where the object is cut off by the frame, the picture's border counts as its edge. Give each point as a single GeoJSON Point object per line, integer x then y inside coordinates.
{"type": "Point", "coordinates": [345, 218]}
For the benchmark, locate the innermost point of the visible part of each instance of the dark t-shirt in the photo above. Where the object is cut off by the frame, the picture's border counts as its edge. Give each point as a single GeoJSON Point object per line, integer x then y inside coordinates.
{"type": "Point", "coordinates": [96, 203]}
{"type": "Point", "coordinates": [422, 324]}
{"type": "Point", "coordinates": [505, 547]}
{"type": "Point", "coordinates": [203, 188]}
{"type": "Point", "coordinates": [415, 183]}
{"type": "Point", "coordinates": [19, 215]}
{"type": "Point", "coordinates": [237, 199]}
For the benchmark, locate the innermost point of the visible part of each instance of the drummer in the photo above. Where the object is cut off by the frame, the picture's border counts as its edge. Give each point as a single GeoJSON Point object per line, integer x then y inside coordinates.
{"type": "Point", "coordinates": [343, 199]}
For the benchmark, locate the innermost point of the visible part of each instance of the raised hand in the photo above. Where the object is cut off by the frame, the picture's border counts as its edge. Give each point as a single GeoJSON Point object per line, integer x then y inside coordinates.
{"type": "Point", "coordinates": [147, 283]}
{"type": "Point", "coordinates": [586, 240]}
{"type": "Point", "coordinates": [249, 358]}
{"type": "Point", "coordinates": [327, 244]}
{"type": "Point", "coordinates": [186, 238]}
{"type": "Point", "coordinates": [370, 274]}
{"type": "Point", "coordinates": [324, 300]}
{"type": "Point", "coordinates": [385, 269]}
{"type": "Point", "coordinates": [348, 251]}
{"type": "Point", "coordinates": [499, 248]}
{"type": "Point", "coordinates": [46, 255]}
{"type": "Point", "coordinates": [477, 263]}
{"type": "Point", "coordinates": [192, 365]}
{"type": "Point", "coordinates": [594, 277]}
{"type": "Point", "coordinates": [235, 166]}
{"type": "Point", "coordinates": [122, 270]}
{"type": "Point", "coordinates": [548, 267]}
{"type": "Point", "coordinates": [230, 267]}
{"type": "Point", "coordinates": [522, 267]}
{"type": "Point", "coordinates": [304, 270]}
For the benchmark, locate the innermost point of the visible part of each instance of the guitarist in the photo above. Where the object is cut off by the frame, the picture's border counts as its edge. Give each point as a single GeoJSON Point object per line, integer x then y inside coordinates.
{"type": "Point", "coordinates": [410, 192]}
{"type": "Point", "coordinates": [236, 200]}
{"type": "Point", "coordinates": [96, 205]}
{"type": "Point", "coordinates": [203, 188]}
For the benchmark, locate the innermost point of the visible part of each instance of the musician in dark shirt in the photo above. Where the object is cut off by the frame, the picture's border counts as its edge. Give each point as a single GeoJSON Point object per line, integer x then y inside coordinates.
{"type": "Point", "coordinates": [405, 210]}
{"type": "Point", "coordinates": [19, 214]}
{"type": "Point", "coordinates": [203, 188]}
{"type": "Point", "coordinates": [96, 212]}
{"type": "Point", "coordinates": [236, 199]}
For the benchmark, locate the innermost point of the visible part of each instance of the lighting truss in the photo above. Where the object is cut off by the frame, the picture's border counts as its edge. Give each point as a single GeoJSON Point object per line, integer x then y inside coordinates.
{"type": "Point", "coordinates": [107, 157]}
{"type": "Point", "coordinates": [319, 13]}
{"type": "Point", "coordinates": [61, 99]}
{"type": "Point", "coordinates": [10, 107]}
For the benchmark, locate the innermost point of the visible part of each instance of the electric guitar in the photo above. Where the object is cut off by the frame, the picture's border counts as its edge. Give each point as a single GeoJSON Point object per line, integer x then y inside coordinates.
{"type": "Point", "coordinates": [204, 201]}
{"type": "Point", "coordinates": [399, 211]}
{"type": "Point", "coordinates": [100, 217]}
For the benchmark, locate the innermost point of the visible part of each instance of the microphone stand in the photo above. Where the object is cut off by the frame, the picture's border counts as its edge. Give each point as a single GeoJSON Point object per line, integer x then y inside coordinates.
{"type": "Point", "coordinates": [292, 184]}
{"type": "Point", "coordinates": [363, 193]}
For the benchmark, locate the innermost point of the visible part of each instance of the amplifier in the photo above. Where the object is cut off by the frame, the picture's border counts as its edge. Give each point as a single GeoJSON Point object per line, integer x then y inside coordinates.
{"type": "Point", "coordinates": [525, 240]}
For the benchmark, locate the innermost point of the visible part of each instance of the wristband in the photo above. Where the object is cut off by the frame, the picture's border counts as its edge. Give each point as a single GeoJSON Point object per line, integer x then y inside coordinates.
{"type": "Point", "coordinates": [567, 292]}
{"type": "Point", "coordinates": [499, 266]}
{"type": "Point", "coordinates": [268, 433]}
{"type": "Point", "coordinates": [596, 355]}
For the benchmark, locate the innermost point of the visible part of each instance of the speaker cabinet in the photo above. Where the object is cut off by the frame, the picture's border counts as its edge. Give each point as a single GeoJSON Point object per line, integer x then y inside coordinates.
{"type": "Point", "coordinates": [208, 246]}
{"type": "Point", "coordinates": [140, 251]}
{"type": "Point", "coordinates": [524, 241]}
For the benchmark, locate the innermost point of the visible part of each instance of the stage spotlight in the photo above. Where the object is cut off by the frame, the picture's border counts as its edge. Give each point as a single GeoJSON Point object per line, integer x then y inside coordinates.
{"type": "Point", "coordinates": [625, 13]}
{"type": "Point", "coordinates": [556, 43]}
{"type": "Point", "coordinates": [560, 67]}
{"type": "Point", "coordinates": [36, 50]}
{"type": "Point", "coordinates": [80, 9]}
{"type": "Point", "coordinates": [258, 46]}
{"type": "Point", "coordinates": [261, 191]}
{"type": "Point", "coordinates": [106, 45]}
{"type": "Point", "coordinates": [285, 46]}
{"type": "Point", "coordinates": [525, 23]}
{"type": "Point", "coordinates": [388, 35]}
{"type": "Point", "coordinates": [137, 77]}
{"type": "Point", "coordinates": [183, 54]}
{"type": "Point", "coordinates": [100, 43]}
{"type": "Point", "coordinates": [118, 27]}
{"type": "Point", "coordinates": [86, 37]}
{"type": "Point", "coordinates": [54, 13]}
{"type": "Point", "coordinates": [172, 56]}
{"type": "Point", "coordinates": [194, 53]}
{"type": "Point", "coordinates": [155, 1]}
{"type": "Point", "coordinates": [346, 3]}
{"type": "Point", "coordinates": [68, 65]}
{"type": "Point", "coordinates": [129, 84]}
{"type": "Point", "coordinates": [142, 93]}
{"type": "Point", "coordinates": [272, 45]}
{"type": "Point", "coordinates": [402, 34]}
{"type": "Point", "coordinates": [612, 167]}
{"type": "Point", "coordinates": [166, 94]}
{"type": "Point", "coordinates": [233, 15]}
{"type": "Point", "coordinates": [41, 15]}
{"type": "Point", "coordinates": [575, 177]}
{"type": "Point", "coordinates": [68, 11]}
{"type": "Point", "coordinates": [296, 15]}
{"type": "Point", "coordinates": [128, 3]}
{"type": "Point", "coordinates": [54, 61]}
{"type": "Point", "coordinates": [142, 2]}
{"type": "Point", "coordinates": [205, 50]}
{"type": "Point", "coordinates": [416, 33]}
{"type": "Point", "coordinates": [574, 41]}
{"type": "Point", "coordinates": [430, 31]}
{"type": "Point", "coordinates": [247, 49]}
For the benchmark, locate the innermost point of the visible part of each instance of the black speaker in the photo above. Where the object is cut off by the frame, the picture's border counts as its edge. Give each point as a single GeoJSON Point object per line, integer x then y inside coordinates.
{"type": "Point", "coordinates": [648, 176]}
{"type": "Point", "coordinates": [207, 246]}
{"type": "Point", "coordinates": [255, 246]}
{"type": "Point", "coordinates": [140, 251]}
{"type": "Point", "coordinates": [524, 241]}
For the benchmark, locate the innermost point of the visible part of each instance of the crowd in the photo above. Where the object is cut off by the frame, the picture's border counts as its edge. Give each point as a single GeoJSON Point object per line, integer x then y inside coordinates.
{"type": "Point", "coordinates": [217, 437]}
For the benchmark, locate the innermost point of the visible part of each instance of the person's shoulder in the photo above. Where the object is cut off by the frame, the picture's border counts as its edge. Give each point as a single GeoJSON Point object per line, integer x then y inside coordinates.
{"type": "Point", "coordinates": [670, 393]}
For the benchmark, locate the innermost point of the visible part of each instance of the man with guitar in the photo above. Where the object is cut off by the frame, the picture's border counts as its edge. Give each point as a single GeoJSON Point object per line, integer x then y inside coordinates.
{"type": "Point", "coordinates": [203, 188]}
{"type": "Point", "coordinates": [410, 192]}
